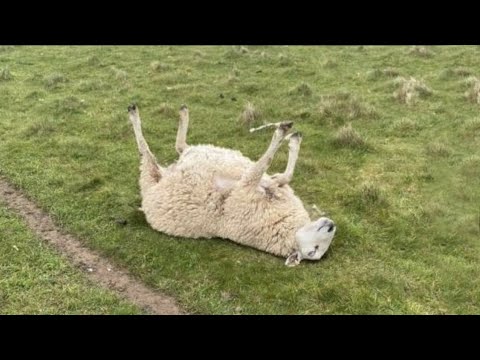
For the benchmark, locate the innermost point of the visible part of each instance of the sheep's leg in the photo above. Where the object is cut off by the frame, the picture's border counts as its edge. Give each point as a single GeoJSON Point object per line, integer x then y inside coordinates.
{"type": "Point", "coordinates": [181, 143]}
{"type": "Point", "coordinates": [254, 174]}
{"type": "Point", "coordinates": [294, 142]}
{"type": "Point", "coordinates": [150, 171]}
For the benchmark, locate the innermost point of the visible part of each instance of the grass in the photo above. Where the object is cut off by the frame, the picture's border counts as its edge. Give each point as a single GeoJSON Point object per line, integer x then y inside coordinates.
{"type": "Point", "coordinates": [5, 74]}
{"type": "Point", "coordinates": [343, 105]}
{"type": "Point", "coordinates": [249, 115]}
{"type": "Point", "coordinates": [407, 209]}
{"type": "Point", "coordinates": [36, 280]}
{"type": "Point", "coordinates": [421, 51]}
{"type": "Point", "coordinates": [473, 94]}
{"type": "Point", "coordinates": [346, 136]}
{"type": "Point", "coordinates": [409, 90]}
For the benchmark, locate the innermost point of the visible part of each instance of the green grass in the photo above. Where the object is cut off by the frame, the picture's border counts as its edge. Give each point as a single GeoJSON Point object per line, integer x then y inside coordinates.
{"type": "Point", "coordinates": [407, 206]}
{"type": "Point", "coordinates": [36, 280]}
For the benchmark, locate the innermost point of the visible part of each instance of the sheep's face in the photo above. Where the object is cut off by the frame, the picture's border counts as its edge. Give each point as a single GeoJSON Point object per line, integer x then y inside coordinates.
{"type": "Point", "coordinates": [313, 240]}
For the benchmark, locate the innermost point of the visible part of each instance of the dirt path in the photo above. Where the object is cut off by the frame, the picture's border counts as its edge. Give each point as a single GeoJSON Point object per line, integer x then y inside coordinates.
{"type": "Point", "coordinates": [97, 268]}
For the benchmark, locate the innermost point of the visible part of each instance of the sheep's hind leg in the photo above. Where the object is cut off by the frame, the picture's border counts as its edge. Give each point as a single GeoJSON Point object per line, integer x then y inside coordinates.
{"type": "Point", "coordinates": [181, 142]}
{"type": "Point", "coordinates": [294, 142]}
{"type": "Point", "coordinates": [255, 173]}
{"type": "Point", "coordinates": [150, 171]}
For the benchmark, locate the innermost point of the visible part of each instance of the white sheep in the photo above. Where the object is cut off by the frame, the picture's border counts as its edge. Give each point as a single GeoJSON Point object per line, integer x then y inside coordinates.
{"type": "Point", "coordinates": [218, 192]}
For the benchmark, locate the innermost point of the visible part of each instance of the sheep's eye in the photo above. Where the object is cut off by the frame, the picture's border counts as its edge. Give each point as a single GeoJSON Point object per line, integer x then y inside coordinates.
{"type": "Point", "coordinates": [316, 247]}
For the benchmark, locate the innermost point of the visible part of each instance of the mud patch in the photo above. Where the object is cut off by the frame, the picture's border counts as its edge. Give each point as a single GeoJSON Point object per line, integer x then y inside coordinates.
{"type": "Point", "coordinates": [98, 269]}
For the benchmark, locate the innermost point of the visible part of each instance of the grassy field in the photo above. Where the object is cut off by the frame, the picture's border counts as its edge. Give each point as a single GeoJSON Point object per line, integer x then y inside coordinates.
{"type": "Point", "coordinates": [36, 280]}
{"type": "Point", "coordinates": [394, 161]}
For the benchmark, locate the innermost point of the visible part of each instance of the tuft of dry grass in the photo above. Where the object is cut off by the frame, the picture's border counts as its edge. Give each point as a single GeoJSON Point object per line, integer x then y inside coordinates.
{"type": "Point", "coordinates": [409, 90]}
{"type": "Point", "coordinates": [249, 115]}
{"type": "Point", "coordinates": [421, 51]}
{"type": "Point", "coordinates": [377, 73]}
{"type": "Point", "coordinates": [462, 71]}
{"type": "Point", "coordinates": [91, 85]}
{"type": "Point", "coordinates": [473, 94]}
{"type": "Point", "coordinates": [5, 48]}
{"type": "Point", "coordinates": [329, 64]}
{"type": "Point", "coordinates": [472, 124]}
{"type": "Point", "coordinates": [303, 89]}
{"type": "Point", "coordinates": [54, 80]}
{"type": "Point", "coordinates": [471, 166]}
{"type": "Point", "coordinates": [370, 193]}
{"type": "Point", "coordinates": [374, 74]}
{"type": "Point", "coordinates": [438, 149]}
{"type": "Point", "coordinates": [93, 61]}
{"type": "Point", "coordinates": [284, 60]}
{"type": "Point", "coordinates": [456, 72]}
{"type": "Point", "coordinates": [346, 136]}
{"type": "Point", "coordinates": [404, 127]}
{"type": "Point", "coordinates": [391, 72]}
{"type": "Point", "coordinates": [345, 105]}
{"type": "Point", "coordinates": [198, 54]}
{"type": "Point", "coordinates": [236, 52]}
{"type": "Point", "coordinates": [119, 73]}
{"type": "Point", "coordinates": [158, 66]}
{"type": "Point", "coordinates": [5, 74]}
{"type": "Point", "coordinates": [167, 110]}
{"type": "Point", "coordinates": [70, 105]}
{"type": "Point", "coordinates": [233, 76]}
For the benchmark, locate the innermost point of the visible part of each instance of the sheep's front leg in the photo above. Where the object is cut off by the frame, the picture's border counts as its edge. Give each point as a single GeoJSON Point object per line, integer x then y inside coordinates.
{"type": "Point", "coordinates": [254, 174]}
{"type": "Point", "coordinates": [294, 141]}
{"type": "Point", "coordinates": [181, 143]}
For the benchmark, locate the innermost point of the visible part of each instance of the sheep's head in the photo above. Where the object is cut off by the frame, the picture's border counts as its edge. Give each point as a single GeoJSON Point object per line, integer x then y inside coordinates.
{"type": "Point", "coordinates": [313, 240]}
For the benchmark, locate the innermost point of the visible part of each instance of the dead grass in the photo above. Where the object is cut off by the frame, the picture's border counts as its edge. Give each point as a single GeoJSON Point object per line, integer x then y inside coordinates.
{"type": "Point", "coordinates": [472, 124]}
{"type": "Point", "coordinates": [167, 110]}
{"type": "Point", "coordinates": [249, 115]}
{"type": "Point", "coordinates": [346, 106]}
{"type": "Point", "coordinates": [348, 137]}
{"type": "Point", "coordinates": [371, 193]}
{"type": "Point", "coordinates": [54, 81]}
{"type": "Point", "coordinates": [5, 74]}
{"type": "Point", "coordinates": [473, 94]}
{"type": "Point", "coordinates": [420, 51]}
{"type": "Point", "coordinates": [409, 90]}
{"type": "Point", "coordinates": [158, 66]}
{"type": "Point", "coordinates": [404, 127]}
{"type": "Point", "coordinates": [303, 89]}
{"type": "Point", "coordinates": [119, 73]}
{"type": "Point", "coordinates": [438, 149]}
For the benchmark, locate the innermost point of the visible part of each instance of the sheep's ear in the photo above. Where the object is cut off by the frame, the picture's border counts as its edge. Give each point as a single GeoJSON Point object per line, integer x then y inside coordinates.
{"type": "Point", "coordinates": [224, 185]}
{"type": "Point", "coordinates": [294, 259]}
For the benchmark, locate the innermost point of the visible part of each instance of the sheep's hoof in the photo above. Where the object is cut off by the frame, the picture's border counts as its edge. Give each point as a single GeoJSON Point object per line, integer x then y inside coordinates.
{"type": "Point", "coordinates": [286, 125]}
{"type": "Point", "coordinates": [297, 134]}
{"type": "Point", "coordinates": [132, 107]}
{"type": "Point", "coordinates": [183, 107]}
{"type": "Point", "coordinates": [294, 259]}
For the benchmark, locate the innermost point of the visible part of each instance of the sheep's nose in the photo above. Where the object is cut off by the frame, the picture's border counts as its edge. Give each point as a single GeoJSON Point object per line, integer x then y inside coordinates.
{"type": "Point", "coordinates": [331, 226]}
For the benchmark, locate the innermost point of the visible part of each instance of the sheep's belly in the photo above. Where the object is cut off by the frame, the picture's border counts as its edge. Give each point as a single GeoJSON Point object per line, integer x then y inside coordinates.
{"type": "Point", "coordinates": [185, 202]}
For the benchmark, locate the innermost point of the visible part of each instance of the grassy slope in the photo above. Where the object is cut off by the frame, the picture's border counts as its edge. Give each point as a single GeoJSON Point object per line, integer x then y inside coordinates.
{"type": "Point", "coordinates": [36, 280]}
{"type": "Point", "coordinates": [406, 204]}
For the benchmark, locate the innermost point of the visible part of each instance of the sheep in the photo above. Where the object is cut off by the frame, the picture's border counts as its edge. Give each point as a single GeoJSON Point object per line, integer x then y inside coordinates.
{"type": "Point", "coordinates": [217, 192]}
